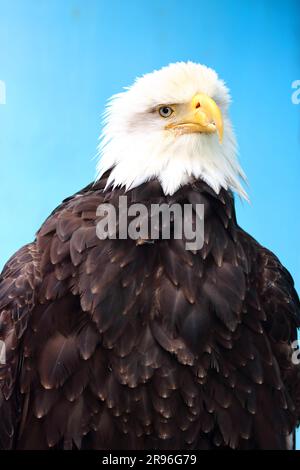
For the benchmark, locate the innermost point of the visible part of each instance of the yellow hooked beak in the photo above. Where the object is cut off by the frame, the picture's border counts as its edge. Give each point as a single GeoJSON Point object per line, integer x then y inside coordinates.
{"type": "Point", "coordinates": [203, 115]}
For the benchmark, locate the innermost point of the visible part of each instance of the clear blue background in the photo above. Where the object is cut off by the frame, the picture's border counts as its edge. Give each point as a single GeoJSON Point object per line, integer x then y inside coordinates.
{"type": "Point", "coordinates": [61, 59]}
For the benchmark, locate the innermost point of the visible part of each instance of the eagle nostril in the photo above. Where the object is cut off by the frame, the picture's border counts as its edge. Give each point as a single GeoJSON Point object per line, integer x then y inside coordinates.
{"type": "Point", "coordinates": [198, 105]}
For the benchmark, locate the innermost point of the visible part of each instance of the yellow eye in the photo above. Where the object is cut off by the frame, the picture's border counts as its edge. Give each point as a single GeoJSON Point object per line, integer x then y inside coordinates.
{"type": "Point", "coordinates": [165, 111]}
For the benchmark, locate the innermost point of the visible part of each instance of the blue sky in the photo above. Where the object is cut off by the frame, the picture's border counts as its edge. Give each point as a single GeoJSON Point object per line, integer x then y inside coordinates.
{"type": "Point", "coordinates": [60, 61]}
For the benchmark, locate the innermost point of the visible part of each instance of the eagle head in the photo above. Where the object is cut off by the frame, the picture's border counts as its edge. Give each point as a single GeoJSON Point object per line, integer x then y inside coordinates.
{"type": "Point", "coordinates": [172, 125]}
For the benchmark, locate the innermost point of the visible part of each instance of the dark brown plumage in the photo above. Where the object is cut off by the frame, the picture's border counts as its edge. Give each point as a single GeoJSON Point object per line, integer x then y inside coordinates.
{"type": "Point", "coordinates": [122, 345]}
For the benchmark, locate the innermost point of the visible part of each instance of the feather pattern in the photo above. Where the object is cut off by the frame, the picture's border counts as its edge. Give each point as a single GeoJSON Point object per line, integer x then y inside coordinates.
{"type": "Point", "coordinates": [117, 344]}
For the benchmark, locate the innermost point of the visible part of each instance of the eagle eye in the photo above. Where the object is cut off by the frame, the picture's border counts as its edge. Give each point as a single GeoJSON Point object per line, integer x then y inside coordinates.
{"type": "Point", "coordinates": [165, 111]}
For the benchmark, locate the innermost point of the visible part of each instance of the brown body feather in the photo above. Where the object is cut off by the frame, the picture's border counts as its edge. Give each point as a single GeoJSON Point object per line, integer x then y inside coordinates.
{"type": "Point", "coordinates": [118, 345]}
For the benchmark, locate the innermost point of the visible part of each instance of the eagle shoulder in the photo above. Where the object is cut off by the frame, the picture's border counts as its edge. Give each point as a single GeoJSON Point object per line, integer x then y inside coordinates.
{"type": "Point", "coordinates": [18, 282]}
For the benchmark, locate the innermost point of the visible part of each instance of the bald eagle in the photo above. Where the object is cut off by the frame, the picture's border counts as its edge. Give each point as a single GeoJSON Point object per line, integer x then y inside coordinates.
{"type": "Point", "coordinates": [124, 343]}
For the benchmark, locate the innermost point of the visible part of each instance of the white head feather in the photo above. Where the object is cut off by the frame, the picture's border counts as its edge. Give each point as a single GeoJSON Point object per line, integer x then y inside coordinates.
{"type": "Point", "coordinates": [137, 147]}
